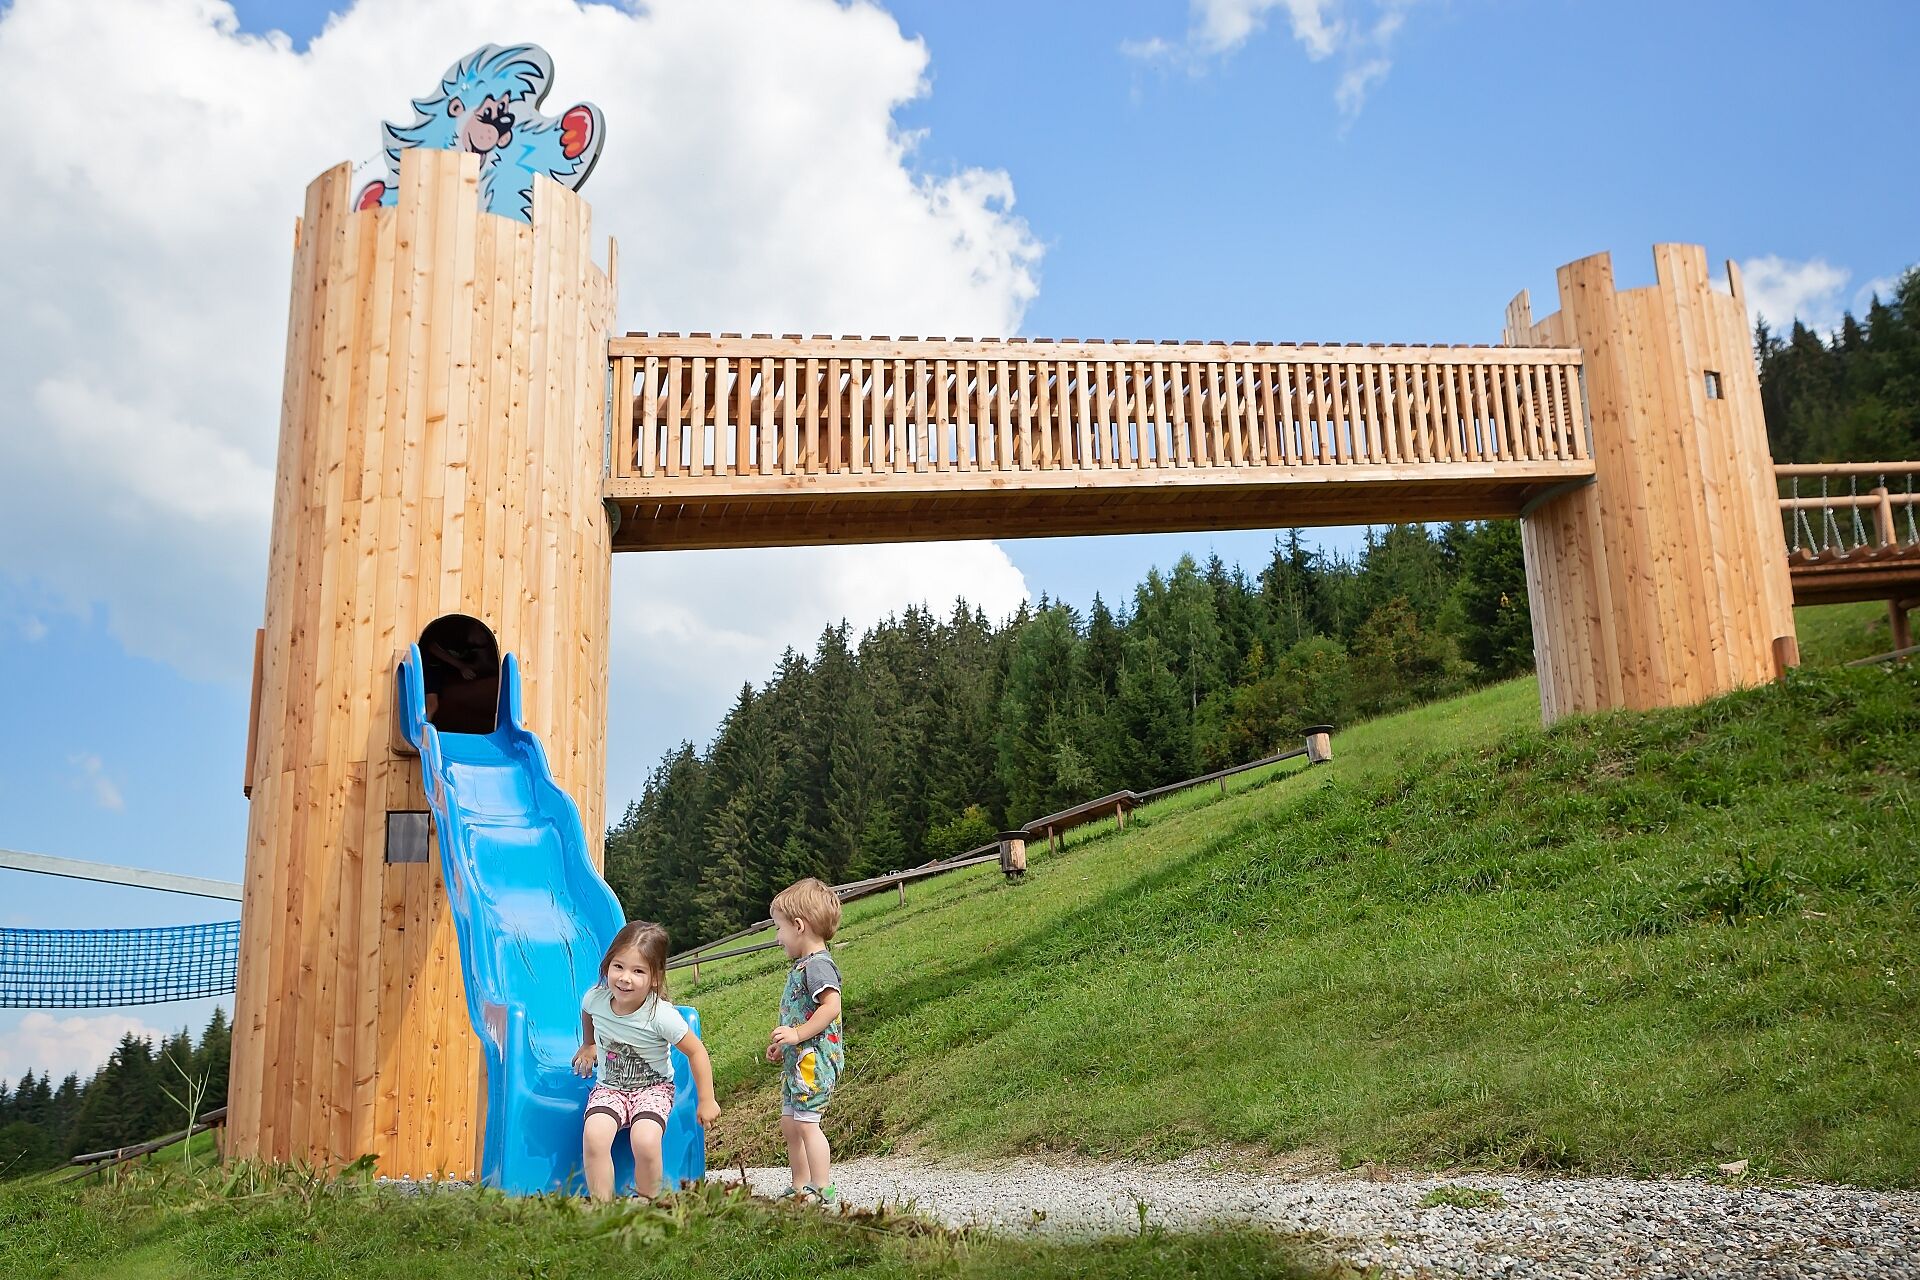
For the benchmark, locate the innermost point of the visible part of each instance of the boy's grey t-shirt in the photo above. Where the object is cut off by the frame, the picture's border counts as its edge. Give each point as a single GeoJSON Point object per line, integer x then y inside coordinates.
{"type": "Point", "coordinates": [818, 974]}
{"type": "Point", "coordinates": [633, 1050]}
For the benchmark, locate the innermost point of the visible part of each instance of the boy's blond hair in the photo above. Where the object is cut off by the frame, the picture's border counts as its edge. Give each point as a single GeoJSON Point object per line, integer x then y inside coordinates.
{"type": "Point", "coordinates": [813, 903]}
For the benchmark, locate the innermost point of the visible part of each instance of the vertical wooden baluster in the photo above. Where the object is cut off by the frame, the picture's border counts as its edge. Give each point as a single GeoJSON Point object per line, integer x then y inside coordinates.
{"type": "Point", "coordinates": [1283, 413]}
{"type": "Point", "coordinates": [650, 418]}
{"type": "Point", "coordinates": [1576, 411]}
{"type": "Point", "coordinates": [787, 432]}
{"type": "Point", "coordinates": [1484, 438]}
{"type": "Point", "coordinates": [1326, 431]}
{"type": "Point", "coordinates": [982, 403]}
{"type": "Point", "coordinates": [1404, 413]}
{"type": "Point", "coordinates": [1380, 420]}
{"type": "Point", "coordinates": [899, 428]}
{"type": "Point", "coordinates": [1458, 429]}
{"type": "Point", "coordinates": [1043, 412]}
{"type": "Point", "coordinates": [1177, 394]}
{"type": "Point", "coordinates": [1197, 413]}
{"type": "Point", "coordinates": [1007, 410]}
{"type": "Point", "coordinates": [1543, 423]}
{"type": "Point", "coordinates": [836, 451]}
{"type": "Point", "coordinates": [857, 414]}
{"type": "Point", "coordinates": [672, 408]}
{"type": "Point", "coordinates": [1023, 370]}
{"type": "Point", "coordinates": [1422, 413]}
{"type": "Point", "coordinates": [1270, 422]}
{"type": "Point", "coordinates": [1233, 421]}
{"type": "Point", "coordinates": [722, 401]}
{"type": "Point", "coordinates": [742, 416]}
{"type": "Point", "coordinates": [808, 418]}
{"type": "Point", "coordinates": [945, 447]}
{"type": "Point", "coordinates": [697, 417]}
{"type": "Point", "coordinates": [1156, 373]}
{"type": "Point", "coordinates": [1440, 424]}
{"type": "Point", "coordinates": [1502, 403]}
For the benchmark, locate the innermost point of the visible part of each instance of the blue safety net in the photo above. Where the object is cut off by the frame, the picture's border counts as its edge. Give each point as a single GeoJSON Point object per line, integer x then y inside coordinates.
{"type": "Point", "coordinates": [91, 968]}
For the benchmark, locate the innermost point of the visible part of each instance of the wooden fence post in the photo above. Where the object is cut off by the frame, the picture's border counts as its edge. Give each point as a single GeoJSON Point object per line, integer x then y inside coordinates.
{"type": "Point", "coordinates": [1013, 853]}
{"type": "Point", "coordinates": [1786, 655]}
{"type": "Point", "coordinates": [1319, 744]}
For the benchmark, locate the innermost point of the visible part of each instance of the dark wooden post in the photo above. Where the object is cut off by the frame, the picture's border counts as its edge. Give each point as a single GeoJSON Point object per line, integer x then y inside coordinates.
{"type": "Point", "coordinates": [1786, 655]}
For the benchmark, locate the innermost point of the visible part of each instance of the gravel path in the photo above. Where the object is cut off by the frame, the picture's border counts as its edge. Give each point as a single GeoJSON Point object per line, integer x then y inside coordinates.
{"type": "Point", "coordinates": [1558, 1227]}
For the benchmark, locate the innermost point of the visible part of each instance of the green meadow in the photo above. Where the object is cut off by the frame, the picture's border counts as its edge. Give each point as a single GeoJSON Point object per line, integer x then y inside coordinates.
{"type": "Point", "coordinates": [1633, 943]}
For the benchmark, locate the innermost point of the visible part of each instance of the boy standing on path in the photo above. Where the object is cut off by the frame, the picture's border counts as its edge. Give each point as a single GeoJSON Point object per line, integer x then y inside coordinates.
{"type": "Point", "coordinates": [807, 1041]}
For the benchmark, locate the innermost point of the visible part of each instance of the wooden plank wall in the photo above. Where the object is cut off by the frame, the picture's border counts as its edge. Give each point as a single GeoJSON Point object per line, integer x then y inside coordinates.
{"type": "Point", "coordinates": [1662, 583]}
{"type": "Point", "coordinates": [440, 452]}
{"type": "Point", "coordinates": [697, 413]}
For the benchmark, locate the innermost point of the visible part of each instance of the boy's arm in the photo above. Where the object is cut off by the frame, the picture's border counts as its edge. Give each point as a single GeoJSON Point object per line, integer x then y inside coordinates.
{"type": "Point", "coordinates": [823, 1016]}
{"type": "Point", "coordinates": [702, 1067]}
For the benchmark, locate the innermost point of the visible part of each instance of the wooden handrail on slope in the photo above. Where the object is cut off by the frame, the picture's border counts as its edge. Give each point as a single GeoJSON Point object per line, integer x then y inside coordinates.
{"type": "Point", "coordinates": [1115, 805]}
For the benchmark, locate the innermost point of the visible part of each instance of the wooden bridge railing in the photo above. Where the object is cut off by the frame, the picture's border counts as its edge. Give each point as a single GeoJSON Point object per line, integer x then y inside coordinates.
{"type": "Point", "coordinates": [1879, 519]}
{"type": "Point", "coordinates": [1851, 546]}
{"type": "Point", "coordinates": [762, 411]}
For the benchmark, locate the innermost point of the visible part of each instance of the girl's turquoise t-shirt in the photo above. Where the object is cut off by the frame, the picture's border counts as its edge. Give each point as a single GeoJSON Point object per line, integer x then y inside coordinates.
{"type": "Point", "coordinates": [633, 1050]}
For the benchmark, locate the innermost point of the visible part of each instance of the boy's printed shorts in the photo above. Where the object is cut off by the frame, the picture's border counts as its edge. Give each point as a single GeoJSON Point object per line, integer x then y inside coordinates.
{"type": "Point", "coordinates": [808, 1081]}
{"type": "Point", "coordinates": [655, 1103]}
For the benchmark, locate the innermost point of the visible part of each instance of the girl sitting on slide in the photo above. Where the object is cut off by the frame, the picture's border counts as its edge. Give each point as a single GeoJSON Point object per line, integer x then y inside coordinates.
{"type": "Point", "coordinates": [628, 1026]}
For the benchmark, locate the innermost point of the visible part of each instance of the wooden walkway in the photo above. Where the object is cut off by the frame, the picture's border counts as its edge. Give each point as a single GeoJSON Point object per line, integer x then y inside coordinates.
{"type": "Point", "coordinates": [762, 441]}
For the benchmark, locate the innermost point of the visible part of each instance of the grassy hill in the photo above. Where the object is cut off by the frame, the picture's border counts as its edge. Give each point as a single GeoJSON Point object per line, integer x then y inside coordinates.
{"type": "Point", "coordinates": [1634, 943]}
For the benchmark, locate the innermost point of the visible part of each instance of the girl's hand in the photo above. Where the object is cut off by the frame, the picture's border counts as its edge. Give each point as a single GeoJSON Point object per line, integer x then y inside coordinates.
{"type": "Point", "coordinates": [583, 1061]}
{"type": "Point", "coordinates": [707, 1112]}
{"type": "Point", "coordinates": [773, 1053]}
{"type": "Point", "coordinates": [783, 1036]}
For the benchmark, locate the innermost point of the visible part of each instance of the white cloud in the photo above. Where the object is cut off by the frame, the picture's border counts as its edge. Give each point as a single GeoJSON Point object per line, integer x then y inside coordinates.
{"type": "Point", "coordinates": [60, 1045]}
{"type": "Point", "coordinates": [1880, 287]}
{"type": "Point", "coordinates": [33, 629]}
{"type": "Point", "coordinates": [1323, 28]}
{"type": "Point", "coordinates": [753, 174]}
{"type": "Point", "coordinates": [1781, 291]}
{"type": "Point", "coordinates": [91, 777]}
{"type": "Point", "coordinates": [1354, 83]}
{"type": "Point", "coordinates": [700, 623]}
{"type": "Point", "coordinates": [1219, 26]}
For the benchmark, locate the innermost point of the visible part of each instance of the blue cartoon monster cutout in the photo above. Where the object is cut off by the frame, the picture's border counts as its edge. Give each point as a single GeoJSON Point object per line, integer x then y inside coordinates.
{"type": "Point", "coordinates": [487, 104]}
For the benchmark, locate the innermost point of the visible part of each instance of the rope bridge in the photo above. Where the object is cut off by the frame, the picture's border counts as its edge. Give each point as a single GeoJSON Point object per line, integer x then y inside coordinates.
{"type": "Point", "coordinates": [93, 968]}
{"type": "Point", "coordinates": [1871, 523]}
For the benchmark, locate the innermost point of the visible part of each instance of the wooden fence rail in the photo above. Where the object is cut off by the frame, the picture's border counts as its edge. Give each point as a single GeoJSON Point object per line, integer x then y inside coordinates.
{"type": "Point", "coordinates": [1117, 805]}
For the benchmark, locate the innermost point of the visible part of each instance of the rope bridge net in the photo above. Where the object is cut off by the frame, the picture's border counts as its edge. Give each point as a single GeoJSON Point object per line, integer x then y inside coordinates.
{"type": "Point", "coordinates": [92, 968]}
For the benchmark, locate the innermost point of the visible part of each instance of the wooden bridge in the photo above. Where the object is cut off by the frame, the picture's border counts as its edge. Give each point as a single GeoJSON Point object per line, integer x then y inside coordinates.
{"type": "Point", "coordinates": [763, 441]}
{"type": "Point", "coordinates": [460, 435]}
{"type": "Point", "coordinates": [1846, 545]}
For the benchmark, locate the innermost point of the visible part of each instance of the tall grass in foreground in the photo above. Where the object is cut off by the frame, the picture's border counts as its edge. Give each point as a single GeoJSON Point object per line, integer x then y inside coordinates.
{"type": "Point", "coordinates": [254, 1221]}
{"type": "Point", "coordinates": [1633, 943]}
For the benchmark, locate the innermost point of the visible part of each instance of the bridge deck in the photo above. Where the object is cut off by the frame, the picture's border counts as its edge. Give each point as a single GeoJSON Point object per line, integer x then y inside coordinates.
{"type": "Point", "coordinates": [766, 441]}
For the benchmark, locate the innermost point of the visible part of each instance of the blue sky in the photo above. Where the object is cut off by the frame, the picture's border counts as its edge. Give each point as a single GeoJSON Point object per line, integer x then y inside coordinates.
{"type": "Point", "coordinates": [1180, 180]}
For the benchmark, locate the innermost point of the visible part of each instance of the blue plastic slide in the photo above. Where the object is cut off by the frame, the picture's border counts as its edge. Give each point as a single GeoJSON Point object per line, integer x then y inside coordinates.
{"type": "Point", "coordinates": [533, 918]}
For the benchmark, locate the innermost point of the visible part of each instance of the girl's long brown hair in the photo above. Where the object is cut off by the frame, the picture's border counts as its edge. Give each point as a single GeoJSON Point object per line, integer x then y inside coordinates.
{"type": "Point", "coordinates": [650, 940]}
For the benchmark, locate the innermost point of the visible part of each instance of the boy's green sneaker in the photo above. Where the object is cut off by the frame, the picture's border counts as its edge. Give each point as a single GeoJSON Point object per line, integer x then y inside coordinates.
{"type": "Point", "coordinates": [794, 1193]}
{"type": "Point", "coordinates": [828, 1196]}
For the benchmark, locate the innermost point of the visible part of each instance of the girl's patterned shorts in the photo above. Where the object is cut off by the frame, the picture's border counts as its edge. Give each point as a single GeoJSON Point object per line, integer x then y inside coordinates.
{"type": "Point", "coordinates": [653, 1103]}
